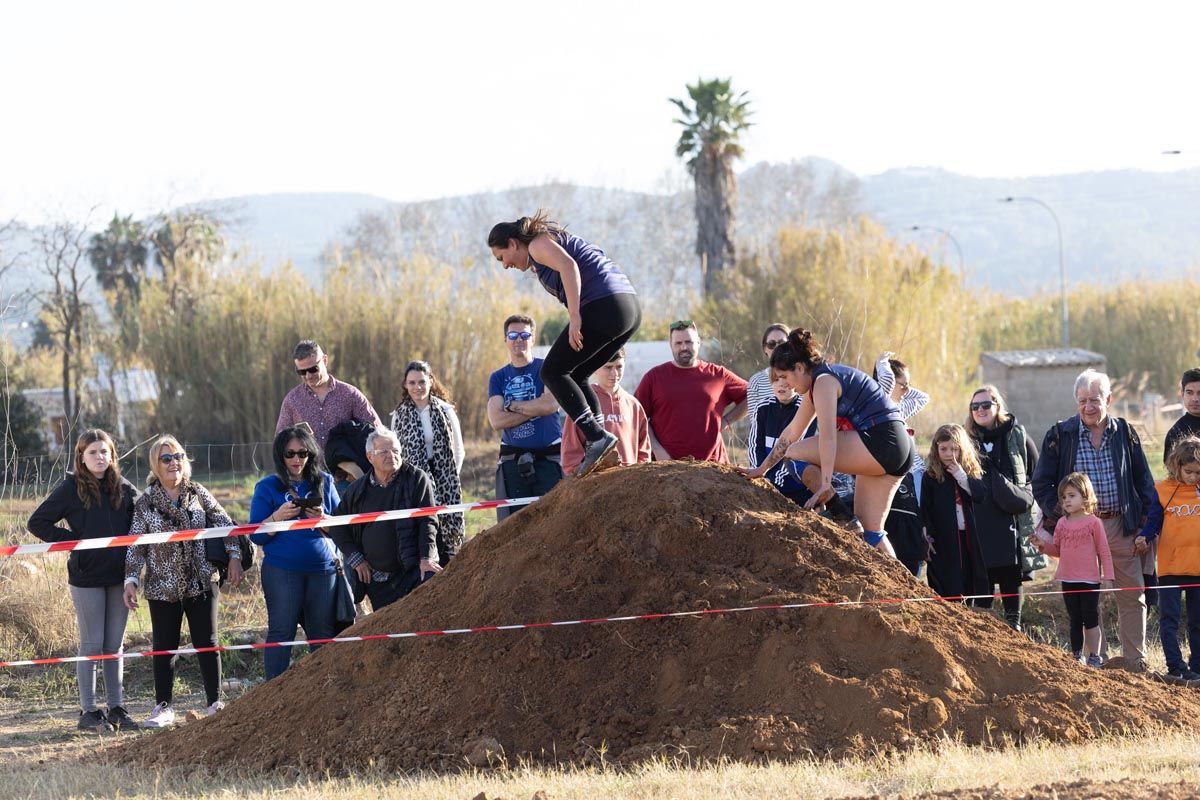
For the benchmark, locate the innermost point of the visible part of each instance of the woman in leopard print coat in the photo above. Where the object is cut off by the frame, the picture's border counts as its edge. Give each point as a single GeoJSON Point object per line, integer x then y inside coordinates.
{"type": "Point", "coordinates": [431, 439]}
{"type": "Point", "coordinates": [176, 577]}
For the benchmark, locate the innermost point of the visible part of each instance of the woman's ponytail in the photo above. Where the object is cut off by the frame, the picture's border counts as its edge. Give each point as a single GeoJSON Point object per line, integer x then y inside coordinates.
{"type": "Point", "coordinates": [524, 230]}
{"type": "Point", "coordinates": [801, 347]}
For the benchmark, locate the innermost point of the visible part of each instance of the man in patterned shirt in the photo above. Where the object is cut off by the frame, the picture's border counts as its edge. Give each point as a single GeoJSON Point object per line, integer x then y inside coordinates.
{"type": "Point", "coordinates": [322, 401]}
{"type": "Point", "coordinates": [1108, 451]}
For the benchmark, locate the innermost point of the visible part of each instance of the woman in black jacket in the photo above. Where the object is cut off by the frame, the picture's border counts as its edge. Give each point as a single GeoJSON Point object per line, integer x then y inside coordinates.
{"type": "Point", "coordinates": [94, 502]}
{"type": "Point", "coordinates": [1007, 455]}
{"type": "Point", "coordinates": [951, 490]}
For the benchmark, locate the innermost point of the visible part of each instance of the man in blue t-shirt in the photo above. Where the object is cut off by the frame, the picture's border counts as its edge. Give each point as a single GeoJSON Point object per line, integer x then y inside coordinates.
{"type": "Point", "coordinates": [527, 417]}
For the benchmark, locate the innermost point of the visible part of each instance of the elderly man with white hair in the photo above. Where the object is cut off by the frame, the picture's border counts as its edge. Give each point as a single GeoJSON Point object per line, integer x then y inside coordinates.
{"type": "Point", "coordinates": [1108, 451]}
{"type": "Point", "coordinates": [390, 558]}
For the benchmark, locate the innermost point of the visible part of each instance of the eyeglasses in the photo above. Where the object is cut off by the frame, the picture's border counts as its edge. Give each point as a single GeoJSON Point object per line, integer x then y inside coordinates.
{"type": "Point", "coordinates": [682, 325]}
{"type": "Point", "coordinates": [296, 454]}
{"type": "Point", "coordinates": [1095, 402]}
{"type": "Point", "coordinates": [773, 343]}
{"type": "Point", "coordinates": [982, 405]}
{"type": "Point", "coordinates": [394, 451]}
{"type": "Point", "coordinates": [522, 335]}
{"type": "Point", "coordinates": [167, 458]}
{"type": "Point", "coordinates": [313, 370]}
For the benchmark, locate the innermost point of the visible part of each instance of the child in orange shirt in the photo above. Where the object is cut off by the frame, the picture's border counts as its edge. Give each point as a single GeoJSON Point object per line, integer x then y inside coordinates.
{"type": "Point", "coordinates": [1179, 557]}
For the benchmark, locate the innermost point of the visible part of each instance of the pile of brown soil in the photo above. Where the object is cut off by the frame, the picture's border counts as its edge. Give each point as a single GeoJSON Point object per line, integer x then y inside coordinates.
{"type": "Point", "coordinates": [771, 684]}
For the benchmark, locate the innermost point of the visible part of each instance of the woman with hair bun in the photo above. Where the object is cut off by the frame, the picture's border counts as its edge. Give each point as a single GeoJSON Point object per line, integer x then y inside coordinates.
{"type": "Point", "coordinates": [859, 432]}
{"type": "Point", "coordinates": [602, 309]}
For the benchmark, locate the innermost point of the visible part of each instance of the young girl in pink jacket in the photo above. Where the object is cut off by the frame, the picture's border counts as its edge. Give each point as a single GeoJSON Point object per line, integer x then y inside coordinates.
{"type": "Point", "coordinates": [1084, 562]}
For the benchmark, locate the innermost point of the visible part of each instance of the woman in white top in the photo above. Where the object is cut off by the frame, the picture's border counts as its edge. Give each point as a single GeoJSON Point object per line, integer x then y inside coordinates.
{"type": "Point", "coordinates": [431, 439]}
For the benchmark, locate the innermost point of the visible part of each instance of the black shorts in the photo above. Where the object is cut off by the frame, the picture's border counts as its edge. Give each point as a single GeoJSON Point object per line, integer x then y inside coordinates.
{"type": "Point", "coordinates": [890, 445]}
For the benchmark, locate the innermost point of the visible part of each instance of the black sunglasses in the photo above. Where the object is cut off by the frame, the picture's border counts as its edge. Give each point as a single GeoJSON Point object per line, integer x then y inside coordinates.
{"type": "Point", "coordinates": [296, 454]}
{"type": "Point", "coordinates": [167, 458]}
{"type": "Point", "coordinates": [313, 370]}
{"type": "Point", "coordinates": [771, 345]}
{"type": "Point", "coordinates": [982, 405]}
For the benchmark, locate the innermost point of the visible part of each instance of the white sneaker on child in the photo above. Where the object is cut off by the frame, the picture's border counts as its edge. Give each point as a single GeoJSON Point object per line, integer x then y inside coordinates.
{"type": "Point", "coordinates": [161, 717]}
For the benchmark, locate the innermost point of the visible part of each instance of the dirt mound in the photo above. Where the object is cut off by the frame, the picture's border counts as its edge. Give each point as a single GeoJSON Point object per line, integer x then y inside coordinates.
{"type": "Point", "coordinates": [650, 538]}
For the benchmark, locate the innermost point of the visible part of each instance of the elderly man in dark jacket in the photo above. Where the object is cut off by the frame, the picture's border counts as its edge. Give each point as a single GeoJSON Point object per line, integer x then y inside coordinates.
{"type": "Point", "coordinates": [391, 557]}
{"type": "Point", "coordinates": [1108, 451]}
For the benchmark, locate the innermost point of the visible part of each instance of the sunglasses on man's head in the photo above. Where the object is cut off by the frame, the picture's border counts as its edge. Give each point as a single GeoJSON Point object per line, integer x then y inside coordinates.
{"type": "Point", "coordinates": [682, 325]}
{"type": "Point", "coordinates": [313, 370]}
{"type": "Point", "coordinates": [982, 405]}
{"type": "Point", "coordinates": [296, 454]}
{"type": "Point", "coordinates": [167, 458]}
{"type": "Point", "coordinates": [524, 336]}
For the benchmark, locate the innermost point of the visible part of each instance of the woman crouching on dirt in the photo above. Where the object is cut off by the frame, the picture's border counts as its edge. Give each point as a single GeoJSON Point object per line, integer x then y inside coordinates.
{"type": "Point", "coordinates": [177, 577]}
{"type": "Point", "coordinates": [859, 432]}
{"type": "Point", "coordinates": [95, 502]}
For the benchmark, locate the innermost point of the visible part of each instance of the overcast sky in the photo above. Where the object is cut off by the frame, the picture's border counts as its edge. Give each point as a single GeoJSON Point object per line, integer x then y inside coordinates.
{"type": "Point", "coordinates": [134, 106]}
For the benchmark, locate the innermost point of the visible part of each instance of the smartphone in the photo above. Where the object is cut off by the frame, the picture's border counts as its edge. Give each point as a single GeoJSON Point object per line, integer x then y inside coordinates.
{"type": "Point", "coordinates": [310, 501]}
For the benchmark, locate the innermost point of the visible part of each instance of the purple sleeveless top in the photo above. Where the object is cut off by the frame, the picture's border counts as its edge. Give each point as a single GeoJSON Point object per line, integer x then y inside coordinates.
{"type": "Point", "coordinates": [863, 403]}
{"type": "Point", "coordinates": [598, 275]}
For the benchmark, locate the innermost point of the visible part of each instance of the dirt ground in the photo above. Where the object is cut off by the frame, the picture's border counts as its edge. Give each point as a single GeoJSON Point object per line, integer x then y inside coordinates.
{"type": "Point", "coordinates": [846, 682]}
{"type": "Point", "coordinates": [1076, 790]}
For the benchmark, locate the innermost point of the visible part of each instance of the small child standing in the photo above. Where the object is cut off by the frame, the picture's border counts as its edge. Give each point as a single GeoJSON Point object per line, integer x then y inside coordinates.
{"type": "Point", "coordinates": [1179, 557]}
{"type": "Point", "coordinates": [1084, 562]}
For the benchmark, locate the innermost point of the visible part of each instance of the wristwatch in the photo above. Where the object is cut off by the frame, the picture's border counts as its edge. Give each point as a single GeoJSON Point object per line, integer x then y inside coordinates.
{"type": "Point", "coordinates": [508, 401]}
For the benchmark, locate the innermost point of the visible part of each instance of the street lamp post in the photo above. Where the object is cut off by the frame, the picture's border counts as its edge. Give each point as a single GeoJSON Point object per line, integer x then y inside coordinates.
{"type": "Point", "coordinates": [1062, 264]}
{"type": "Point", "coordinates": [962, 268]}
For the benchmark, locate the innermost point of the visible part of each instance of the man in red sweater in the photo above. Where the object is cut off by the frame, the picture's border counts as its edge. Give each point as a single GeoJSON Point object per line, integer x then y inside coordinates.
{"type": "Point", "coordinates": [690, 402]}
{"type": "Point", "coordinates": [623, 416]}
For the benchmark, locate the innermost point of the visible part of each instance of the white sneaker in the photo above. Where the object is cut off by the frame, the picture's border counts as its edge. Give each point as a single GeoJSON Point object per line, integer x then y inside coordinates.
{"type": "Point", "coordinates": [214, 708]}
{"type": "Point", "coordinates": [163, 716]}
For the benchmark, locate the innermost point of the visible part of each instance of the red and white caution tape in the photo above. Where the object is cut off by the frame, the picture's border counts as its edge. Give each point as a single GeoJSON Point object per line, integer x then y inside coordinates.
{"type": "Point", "coordinates": [375, 637]}
{"type": "Point", "coordinates": [262, 527]}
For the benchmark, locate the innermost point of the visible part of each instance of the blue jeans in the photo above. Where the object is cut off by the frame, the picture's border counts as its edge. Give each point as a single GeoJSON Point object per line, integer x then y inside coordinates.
{"type": "Point", "coordinates": [1168, 619]}
{"type": "Point", "coordinates": [292, 597]}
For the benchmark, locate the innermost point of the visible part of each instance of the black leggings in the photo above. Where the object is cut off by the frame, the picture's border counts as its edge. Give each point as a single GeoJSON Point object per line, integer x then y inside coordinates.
{"type": "Point", "coordinates": [608, 323]}
{"type": "Point", "coordinates": [1083, 610]}
{"type": "Point", "coordinates": [166, 624]}
{"type": "Point", "coordinates": [1009, 579]}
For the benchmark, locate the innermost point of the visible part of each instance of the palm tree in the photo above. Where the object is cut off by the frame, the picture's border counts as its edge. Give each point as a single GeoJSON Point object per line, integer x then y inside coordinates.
{"type": "Point", "coordinates": [712, 123]}
{"type": "Point", "coordinates": [119, 255]}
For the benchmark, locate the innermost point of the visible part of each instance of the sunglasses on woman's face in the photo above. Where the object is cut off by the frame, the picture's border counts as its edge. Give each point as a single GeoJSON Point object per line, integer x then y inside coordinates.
{"type": "Point", "coordinates": [295, 454]}
{"type": "Point", "coordinates": [982, 405]}
{"type": "Point", "coordinates": [167, 458]}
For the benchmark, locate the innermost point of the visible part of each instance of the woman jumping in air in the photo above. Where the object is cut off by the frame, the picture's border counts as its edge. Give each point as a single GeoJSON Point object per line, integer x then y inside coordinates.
{"type": "Point", "coordinates": [602, 309]}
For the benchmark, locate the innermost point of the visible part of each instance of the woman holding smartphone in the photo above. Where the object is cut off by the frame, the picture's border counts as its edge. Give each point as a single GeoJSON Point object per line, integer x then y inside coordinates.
{"type": "Point", "coordinates": [299, 570]}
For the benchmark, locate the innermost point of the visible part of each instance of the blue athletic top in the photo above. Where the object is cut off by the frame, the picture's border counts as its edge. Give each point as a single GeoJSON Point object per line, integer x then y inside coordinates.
{"type": "Point", "coordinates": [297, 551]}
{"type": "Point", "coordinates": [863, 403]}
{"type": "Point", "coordinates": [599, 276]}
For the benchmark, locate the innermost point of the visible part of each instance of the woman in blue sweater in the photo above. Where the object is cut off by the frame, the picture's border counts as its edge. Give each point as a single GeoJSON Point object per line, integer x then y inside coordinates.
{"type": "Point", "coordinates": [298, 567]}
{"type": "Point", "coordinates": [603, 313]}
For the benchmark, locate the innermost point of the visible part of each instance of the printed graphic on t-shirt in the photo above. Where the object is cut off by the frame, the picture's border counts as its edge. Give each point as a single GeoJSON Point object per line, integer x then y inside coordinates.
{"type": "Point", "coordinates": [520, 388]}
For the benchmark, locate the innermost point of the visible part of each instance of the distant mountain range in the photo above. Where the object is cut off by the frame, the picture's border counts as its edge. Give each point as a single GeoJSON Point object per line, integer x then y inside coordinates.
{"type": "Point", "coordinates": [1116, 224]}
